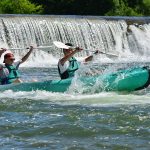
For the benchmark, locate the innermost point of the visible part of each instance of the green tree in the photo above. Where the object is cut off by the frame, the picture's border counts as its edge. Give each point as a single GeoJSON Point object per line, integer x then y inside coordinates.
{"type": "Point", "coordinates": [121, 8]}
{"type": "Point", "coordinates": [77, 7]}
{"type": "Point", "coordinates": [146, 7]}
{"type": "Point", "coordinates": [19, 7]}
{"type": "Point", "coordinates": [140, 6]}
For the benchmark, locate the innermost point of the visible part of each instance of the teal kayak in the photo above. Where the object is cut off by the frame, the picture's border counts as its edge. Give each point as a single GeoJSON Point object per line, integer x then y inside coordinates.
{"type": "Point", "coordinates": [123, 80]}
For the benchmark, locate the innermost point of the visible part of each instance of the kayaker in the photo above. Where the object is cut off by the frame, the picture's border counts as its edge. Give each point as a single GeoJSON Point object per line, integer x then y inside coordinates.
{"type": "Point", "coordinates": [9, 70]}
{"type": "Point", "coordinates": [68, 64]}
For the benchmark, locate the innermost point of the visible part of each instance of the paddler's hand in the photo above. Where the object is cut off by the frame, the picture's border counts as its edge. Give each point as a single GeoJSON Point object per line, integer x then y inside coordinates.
{"type": "Point", "coordinates": [78, 49]}
{"type": "Point", "coordinates": [98, 52]}
{"type": "Point", "coordinates": [2, 50]}
{"type": "Point", "coordinates": [31, 48]}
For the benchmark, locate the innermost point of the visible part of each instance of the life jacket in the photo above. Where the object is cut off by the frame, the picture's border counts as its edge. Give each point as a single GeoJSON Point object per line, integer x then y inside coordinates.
{"type": "Point", "coordinates": [8, 74]}
{"type": "Point", "coordinates": [73, 66]}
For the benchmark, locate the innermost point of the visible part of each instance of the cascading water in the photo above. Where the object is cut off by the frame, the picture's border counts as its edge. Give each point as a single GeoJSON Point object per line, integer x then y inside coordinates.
{"type": "Point", "coordinates": [106, 34]}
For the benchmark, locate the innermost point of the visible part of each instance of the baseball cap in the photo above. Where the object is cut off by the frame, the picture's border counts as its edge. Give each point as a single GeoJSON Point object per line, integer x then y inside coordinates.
{"type": "Point", "coordinates": [68, 44]}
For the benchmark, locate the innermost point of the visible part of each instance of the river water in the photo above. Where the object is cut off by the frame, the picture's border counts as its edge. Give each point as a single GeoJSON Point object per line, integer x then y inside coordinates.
{"type": "Point", "coordinates": [73, 121]}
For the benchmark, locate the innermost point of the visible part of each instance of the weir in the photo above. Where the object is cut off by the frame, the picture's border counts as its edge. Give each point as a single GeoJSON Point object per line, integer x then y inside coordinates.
{"type": "Point", "coordinates": [122, 35]}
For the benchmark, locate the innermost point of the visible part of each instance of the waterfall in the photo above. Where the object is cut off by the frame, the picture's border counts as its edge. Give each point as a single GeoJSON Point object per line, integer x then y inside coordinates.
{"type": "Point", "coordinates": [104, 33]}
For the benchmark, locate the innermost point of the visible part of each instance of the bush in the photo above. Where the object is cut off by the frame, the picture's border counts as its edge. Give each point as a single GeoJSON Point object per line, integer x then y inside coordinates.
{"type": "Point", "coordinates": [19, 7]}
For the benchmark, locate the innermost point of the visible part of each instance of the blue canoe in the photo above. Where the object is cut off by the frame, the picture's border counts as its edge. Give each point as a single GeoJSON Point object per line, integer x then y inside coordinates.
{"type": "Point", "coordinates": [123, 80]}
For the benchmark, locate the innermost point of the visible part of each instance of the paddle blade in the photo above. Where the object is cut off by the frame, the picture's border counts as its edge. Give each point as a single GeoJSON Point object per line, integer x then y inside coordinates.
{"type": "Point", "coordinates": [100, 52]}
{"type": "Point", "coordinates": [60, 45]}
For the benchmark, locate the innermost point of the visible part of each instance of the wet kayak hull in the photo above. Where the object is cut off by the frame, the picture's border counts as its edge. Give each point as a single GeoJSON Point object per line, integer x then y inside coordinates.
{"type": "Point", "coordinates": [124, 80]}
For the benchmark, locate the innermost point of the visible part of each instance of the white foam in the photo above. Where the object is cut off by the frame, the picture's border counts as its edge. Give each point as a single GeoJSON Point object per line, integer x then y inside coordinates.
{"type": "Point", "coordinates": [97, 100]}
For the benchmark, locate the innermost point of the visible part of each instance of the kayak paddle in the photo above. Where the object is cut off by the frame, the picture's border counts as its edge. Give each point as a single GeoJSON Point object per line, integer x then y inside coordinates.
{"type": "Point", "coordinates": [62, 45]}
{"type": "Point", "coordinates": [42, 47]}
{"type": "Point", "coordinates": [56, 43]}
{"type": "Point", "coordinates": [100, 52]}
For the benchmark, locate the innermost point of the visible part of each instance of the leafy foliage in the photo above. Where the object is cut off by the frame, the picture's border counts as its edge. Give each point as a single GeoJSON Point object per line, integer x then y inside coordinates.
{"type": "Point", "coordinates": [121, 8]}
{"type": "Point", "coordinates": [77, 7]}
{"type": "Point", "coordinates": [19, 7]}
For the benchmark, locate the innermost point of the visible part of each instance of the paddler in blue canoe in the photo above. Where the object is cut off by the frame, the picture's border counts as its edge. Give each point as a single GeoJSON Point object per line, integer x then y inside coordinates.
{"type": "Point", "coordinates": [68, 64]}
{"type": "Point", "coordinates": [9, 69]}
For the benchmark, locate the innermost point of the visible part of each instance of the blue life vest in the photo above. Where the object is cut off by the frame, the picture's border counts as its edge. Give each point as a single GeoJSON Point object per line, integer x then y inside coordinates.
{"type": "Point", "coordinates": [8, 74]}
{"type": "Point", "coordinates": [73, 66]}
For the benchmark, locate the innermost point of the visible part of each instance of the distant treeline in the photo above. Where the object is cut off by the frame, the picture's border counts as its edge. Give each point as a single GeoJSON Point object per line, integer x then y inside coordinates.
{"type": "Point", "coordinates": [77, 7]}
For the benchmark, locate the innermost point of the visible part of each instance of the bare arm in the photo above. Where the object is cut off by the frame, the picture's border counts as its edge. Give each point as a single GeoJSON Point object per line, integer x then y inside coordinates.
{"type": "Point", "coordinates": [89, 58]}
{"type": "Point", "coordinates": [2, 51]}
{"type": "Point", "coordinates": [68, 56]}
{"type": "Point", "coordinates": [27, 55]}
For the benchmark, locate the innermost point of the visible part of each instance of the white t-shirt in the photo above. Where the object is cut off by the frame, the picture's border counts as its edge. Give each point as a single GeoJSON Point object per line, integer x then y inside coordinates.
{"type": "Point", "coordinates": [5, 72]}
{"type": "Point", "coordinates": [17, 63]}
{"type": "Point", "coordinates": [64, 67]}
